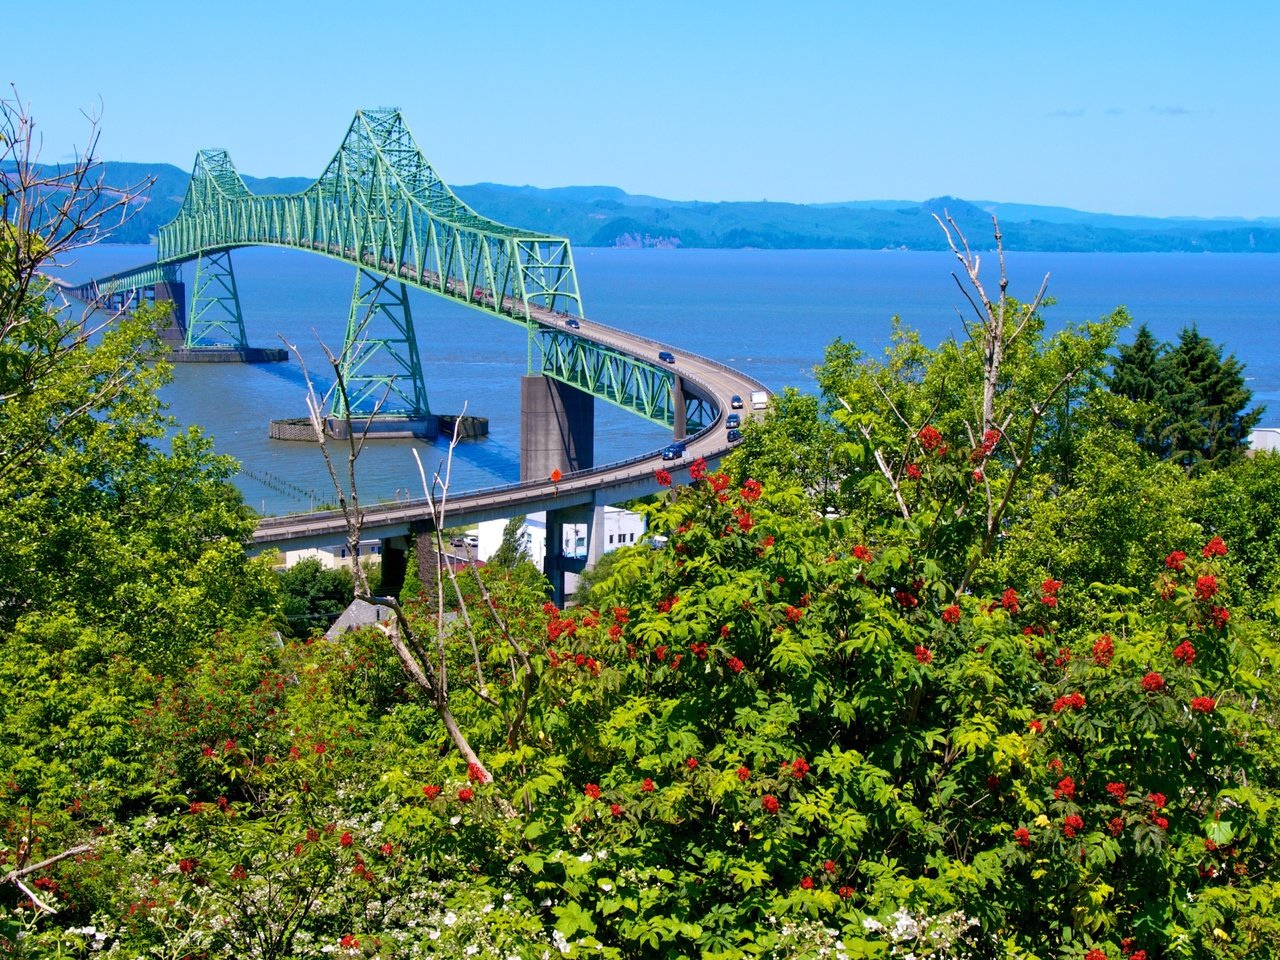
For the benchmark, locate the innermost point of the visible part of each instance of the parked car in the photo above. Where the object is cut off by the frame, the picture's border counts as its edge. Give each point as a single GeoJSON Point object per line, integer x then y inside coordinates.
{"type": "Point", "coordinates": [666, 356]}
{"type": "Point", "coordinates": [733, 436]}
{"type": "Point", "coordinates": [572, 323]}
{"type": "Point", "coordinates": [733, 421]}
{"type": "Point", "coordinates": [736, 402]}
{"type": "Point", "coordinates": [673, 451]}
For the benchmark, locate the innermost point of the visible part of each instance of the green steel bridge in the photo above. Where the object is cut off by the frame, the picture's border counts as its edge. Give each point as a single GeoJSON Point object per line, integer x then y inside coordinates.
{"type": "Point", "coordinates": [380, 206]}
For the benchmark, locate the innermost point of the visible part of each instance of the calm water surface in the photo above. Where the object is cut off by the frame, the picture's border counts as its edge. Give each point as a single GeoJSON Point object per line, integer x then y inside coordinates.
{"type": "Point", "coordinates": [768, 313]}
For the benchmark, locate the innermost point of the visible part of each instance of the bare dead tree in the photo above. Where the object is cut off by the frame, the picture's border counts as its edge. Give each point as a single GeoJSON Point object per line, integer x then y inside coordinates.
{"type": "Point", "coordinates": [47, 212]}
{"type": "Point", "coordinates": [995, 325]}
{"type": "Point", "coordinates": [426, 667]}
{"type": "Point", "coordinates": [1000, 327]}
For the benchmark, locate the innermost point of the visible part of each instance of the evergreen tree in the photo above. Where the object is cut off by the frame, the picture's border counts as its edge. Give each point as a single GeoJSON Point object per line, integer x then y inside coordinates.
{"type": "Point", "coordinates": [1194, 401]}
{"type": "Point", "coordinates": [511, 551]}
{"type": "Point", "coordinates": [1207, 420]}
{"type": "Point", "coordinates": [1138, 375]}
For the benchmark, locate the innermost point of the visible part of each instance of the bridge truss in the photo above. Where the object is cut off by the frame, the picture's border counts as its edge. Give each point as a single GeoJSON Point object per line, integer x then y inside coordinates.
{"type": "Point", "coordinates": [380, 206]}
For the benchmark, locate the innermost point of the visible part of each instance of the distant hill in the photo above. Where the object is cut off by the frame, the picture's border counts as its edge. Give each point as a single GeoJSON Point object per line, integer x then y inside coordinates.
{"type": "Point", "coordinates": [602, 216]}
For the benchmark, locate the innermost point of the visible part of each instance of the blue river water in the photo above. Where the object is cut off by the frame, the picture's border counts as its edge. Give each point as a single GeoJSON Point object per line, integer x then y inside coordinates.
{"type": "Point", "coordinates": [768, 313]}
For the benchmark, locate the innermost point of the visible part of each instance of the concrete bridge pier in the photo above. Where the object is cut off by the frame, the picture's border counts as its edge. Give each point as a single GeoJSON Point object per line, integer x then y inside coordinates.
{"type": "Point", "coordinates": [395, 564]}
{"type": "Point", "coordinates": [556, 563]}
{"type": "Point", "coordinates": [174, 292]}
{"type": "Point", "coordinates": [557, 428]}
{"type": "Point", "coordinates": [679, 408]}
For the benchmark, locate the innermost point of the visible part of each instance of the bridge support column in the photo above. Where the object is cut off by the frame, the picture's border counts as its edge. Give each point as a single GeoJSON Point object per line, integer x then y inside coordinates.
{"type": "Point", "coordinates": [595, 535]}
{"type": "Point", "coordinates": [175, 293]}
{"type": "Point", "coordinates": [554, 563]}
{"type": "Point", "coordinates": [216, 320]}
{"type": "Point", "coordinates": [557, 429]}
{"type": "Point", "coordinates": [381, 367]}
{"type": "Point", "coordinates": [395, 556]}
{"type": "Point", "coordinates": [679, 408]}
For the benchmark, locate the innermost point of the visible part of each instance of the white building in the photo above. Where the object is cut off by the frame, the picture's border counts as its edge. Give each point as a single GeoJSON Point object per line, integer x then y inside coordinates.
{"type": "Point", "coordinates": [1265, 438]}
{"type": "Point", "coordinates": [334, 557]}
{"type": "Point", "coordinates": [621, 528]}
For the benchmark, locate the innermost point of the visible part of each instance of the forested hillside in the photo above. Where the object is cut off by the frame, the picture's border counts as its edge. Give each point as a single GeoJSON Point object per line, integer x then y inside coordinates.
{"type": "Point", "coordinates": [608, 217]}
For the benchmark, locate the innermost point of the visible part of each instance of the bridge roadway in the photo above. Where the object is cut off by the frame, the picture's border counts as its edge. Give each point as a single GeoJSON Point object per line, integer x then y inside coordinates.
{"type": "Point", "coordinates": [607, 484]}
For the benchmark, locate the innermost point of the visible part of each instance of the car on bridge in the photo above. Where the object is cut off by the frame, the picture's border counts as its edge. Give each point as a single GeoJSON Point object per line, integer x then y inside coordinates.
{"type": "Point", "coordinates": [673, 451]}
{"type": "Point", "coordinates": [733, 436]}
{"type": "Point", "coordinates": [732, 421]}
{"type": "Point", "coordinates": [666, 356]}
{"type": "Point", "coordinates": [572, 323]}
{"type": "Point", "coordinates": [735, 402]}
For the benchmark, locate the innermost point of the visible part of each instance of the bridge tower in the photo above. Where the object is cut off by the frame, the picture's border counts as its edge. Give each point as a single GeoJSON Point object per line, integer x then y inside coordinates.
{"type": "Point", "coordinates": [216, 320]}
{"type": "Point", "coordinates": [380, 367]}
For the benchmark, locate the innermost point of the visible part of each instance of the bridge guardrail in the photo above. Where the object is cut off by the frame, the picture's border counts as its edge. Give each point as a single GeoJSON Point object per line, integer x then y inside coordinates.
{"type": "Point", "coordinates": [567, 483]}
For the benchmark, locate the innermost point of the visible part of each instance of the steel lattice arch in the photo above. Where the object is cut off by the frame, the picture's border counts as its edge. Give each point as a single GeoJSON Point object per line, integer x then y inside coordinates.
{"type": "Point", "coordinates": [380, 206]}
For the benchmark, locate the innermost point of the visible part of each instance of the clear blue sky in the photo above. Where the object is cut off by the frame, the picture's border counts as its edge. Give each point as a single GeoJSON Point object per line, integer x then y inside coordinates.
{"type": "Point", "coordinates": [1159, 108]}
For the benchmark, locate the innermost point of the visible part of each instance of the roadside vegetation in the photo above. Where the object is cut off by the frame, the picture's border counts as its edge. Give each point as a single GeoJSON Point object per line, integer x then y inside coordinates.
{"type": "Point", "coordinates": [953, 659]}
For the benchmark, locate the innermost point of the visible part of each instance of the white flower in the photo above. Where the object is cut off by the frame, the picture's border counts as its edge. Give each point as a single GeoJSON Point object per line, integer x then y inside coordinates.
{"type": "Point", "coordinates": [506, 898]}
{"type": "Point", "coordinates": [488, 908]}
{"type": "Point", "coordinates": [455, 820]}
{"type": "Point", "coordinates": [472, 950]}
{"type": "Point", "coordinates": [434, 934]}
{"type": "Point", "coordinates": [606, 886]}
{"type": "Point", "coordinates": [585, 858]}
{"type": "Point", "coordinates": [450, 919]}
{"type": "Point", "coordinates": [603, 854]}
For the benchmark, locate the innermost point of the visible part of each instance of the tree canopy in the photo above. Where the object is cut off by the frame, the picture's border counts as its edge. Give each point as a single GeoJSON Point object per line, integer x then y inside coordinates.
{"type": "Point", "coordinates": [1194, 405]}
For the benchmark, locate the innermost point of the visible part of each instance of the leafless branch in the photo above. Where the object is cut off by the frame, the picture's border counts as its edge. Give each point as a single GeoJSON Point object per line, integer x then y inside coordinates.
{"type": "Point", "coordinates": [892, 406]}
{"type": "Point", "coordinates": [46, 213]}
{"type": "Point", "coordinates": [888, 474]}
{"type": "Point", "coordinates": [15, 876]}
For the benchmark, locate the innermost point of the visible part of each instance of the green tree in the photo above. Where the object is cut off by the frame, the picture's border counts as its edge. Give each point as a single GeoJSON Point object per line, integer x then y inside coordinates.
{"type": "Point", "coordinates": [122, 536]}
{"type": "Point", "coordinates": [1138, 374]}
{"type": "Point", "coordinates": [1124, 512]}
{"type": "Point", "coordinates": [1206, 401]}
{"type": "Point", "coordinates": [1242, 504]}
{"type": "Point", "coordinates": [798, 443]}
{"type": "Point", "coordinates": [943, 438]}
{"type": "Point", "coordinates": [510, 551]}
{"type": "Point", "coordinates": [1192, 403]}
{"type": "Point", "coordinates": [313, 596]}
